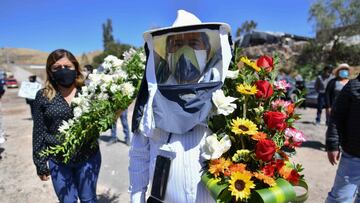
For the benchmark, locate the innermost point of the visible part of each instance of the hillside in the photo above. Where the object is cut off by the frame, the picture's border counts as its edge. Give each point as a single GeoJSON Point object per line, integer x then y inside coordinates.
{"type": "Point", "coordinates": [32, 56]}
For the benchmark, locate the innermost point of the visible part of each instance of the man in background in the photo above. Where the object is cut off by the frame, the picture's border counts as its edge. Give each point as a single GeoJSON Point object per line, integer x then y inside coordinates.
{"type": "Point", "coordinates": [320, 87]}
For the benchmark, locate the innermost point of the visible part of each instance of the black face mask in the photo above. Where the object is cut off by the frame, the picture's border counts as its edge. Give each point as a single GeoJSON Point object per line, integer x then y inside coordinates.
{"type": "Point", "coordinates": [65, 77]}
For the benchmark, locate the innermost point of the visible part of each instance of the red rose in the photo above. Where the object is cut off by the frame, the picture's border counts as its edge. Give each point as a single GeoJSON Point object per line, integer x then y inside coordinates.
{"type": "Point", "coordinates": [265, 62]}
{"type": "Point", "coordinates": [265, 149]}
{"type": "Point", "coordinates": [264, 89]}
{"type": "Point", "coordinates": [279, 164]}
{"type": "Point", "coordinates": [275, 120]}
{"type": "Point", "coordinates": [293, 177]}
{"type": "Point", "coordinates": [269, 170]}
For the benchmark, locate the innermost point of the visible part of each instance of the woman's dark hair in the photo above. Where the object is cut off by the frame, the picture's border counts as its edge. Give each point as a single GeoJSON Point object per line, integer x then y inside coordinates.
{"type": "Point", "coordinates": [49, 90]}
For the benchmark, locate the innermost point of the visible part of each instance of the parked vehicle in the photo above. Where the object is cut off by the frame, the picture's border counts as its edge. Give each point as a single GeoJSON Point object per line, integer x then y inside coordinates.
{"type": "Point", "coordinates": [11, 83]}
{"type": "Point", "coordinates": [311, 95]}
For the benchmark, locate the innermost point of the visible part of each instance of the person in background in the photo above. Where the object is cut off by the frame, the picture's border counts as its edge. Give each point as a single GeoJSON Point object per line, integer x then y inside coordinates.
{"type": "Point", "coordinates": [125, 125]}
{"type": "Point", "coordinates": [342, 139]}
{"type": "Point", "coordinates": [88, 69]}
{"type": "Point", "coordinates": [78, 178]}
{"type": "Point", "coordinates": [342, 74]}
{"type": "Point", "coordinates": [29, 101]}
{"type": "Point", "coordinates": [320, 87]}
{"type": "Point", "coordinates": [2, 91]}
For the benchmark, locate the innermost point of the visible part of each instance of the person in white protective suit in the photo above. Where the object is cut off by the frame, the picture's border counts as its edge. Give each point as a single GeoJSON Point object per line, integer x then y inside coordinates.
{"type": "Point", "coordinates": [186, 63]}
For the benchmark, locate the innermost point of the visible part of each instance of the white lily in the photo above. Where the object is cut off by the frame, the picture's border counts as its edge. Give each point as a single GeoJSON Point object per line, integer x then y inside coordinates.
{"type": "Point", "coordinates": [223, 104]}
{"type": "Point", "coordinates": [213, 148]}
{"type": "Point", "coordinates": [232, 74]}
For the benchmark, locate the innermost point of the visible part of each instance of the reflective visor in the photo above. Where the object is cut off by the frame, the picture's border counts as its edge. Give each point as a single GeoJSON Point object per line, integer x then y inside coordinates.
{"type": "Point", "coordinates": [188, 57]}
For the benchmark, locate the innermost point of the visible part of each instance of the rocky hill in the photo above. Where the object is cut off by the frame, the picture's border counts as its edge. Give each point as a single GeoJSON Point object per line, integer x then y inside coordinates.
{"type": "Point", "coordinates": [27, 56]}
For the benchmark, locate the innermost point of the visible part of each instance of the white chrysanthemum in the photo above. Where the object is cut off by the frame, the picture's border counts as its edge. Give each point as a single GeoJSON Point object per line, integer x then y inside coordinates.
{"type": "Point", "coordinates": [110, 58]}
{"type": "Point", "coordinates": [119, 74]}
{"type": "Point", "coordinates": [64, 126]}
{"type": "Point", "coordinates": [142, 57]}
{"type": "Point", "coordinates": [76, 100]}
{"type": "Point", "coordinates": [223, 104]}
{"type": "Point", "coordinates": [103, 96]}
{"type": "Point", "coordinates": [129, 54]}
{"type": "Point", "coordinates": [117, 63]}
{"type": "Point", "coordinates": [232, 74]}
{"type": "Point", "coordinates": [70, 122]}
{"type": "Point", "coordinates": [77, 112]}
{"type": "Point", "coordinates": [103, 87]}
{"type": "Point", "coordinates": [84, 90]}
{"type": "Point", "coordinates": [213, 148]}
{"type": "Point", "coordinates": [95, 78]}
{"type": "Point", "coordinates": [92, 88]}
{"type": "Point", "coordinates": [108, 78]}
{"type": "Point", "coordinates": [107, 65]}
{"type": "Point", "coordinates": [127, 89]}
{"type": "Point", "coordinates": [114, 88]}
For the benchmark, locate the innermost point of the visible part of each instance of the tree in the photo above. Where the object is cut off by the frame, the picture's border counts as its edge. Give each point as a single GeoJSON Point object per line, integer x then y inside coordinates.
{"type": "Point", "coordinates": [246, 27]}
{"type": "Point", "coordinates": [108, 37]}
{"type": "Point", "coordinates": [334, 19]}
{"type": "Point", "coordinates": [111, 47]}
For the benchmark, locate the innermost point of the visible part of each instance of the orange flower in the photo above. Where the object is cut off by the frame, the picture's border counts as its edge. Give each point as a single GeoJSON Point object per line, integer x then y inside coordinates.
{"type": "Point", "coordinates": [285, 171]}
{"type": "Point", "coordinates": [266, 179]}
{"type": "Point", "coordinates": [290, 175]}
{"type": "Point", "coordinates": [291, 108]}
{"type": "Point", "coordinates": [236, 168]}
{"type": "Point", "coordinates": [259, 136]}
{"type": "Point", "coordinates": [218, 166]}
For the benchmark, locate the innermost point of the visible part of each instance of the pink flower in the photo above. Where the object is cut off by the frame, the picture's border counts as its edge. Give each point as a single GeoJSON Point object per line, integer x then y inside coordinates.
{"type": "Point", "coordinates": [296, 135]}
{"type": "Point", "coordinates": [279, 103]}
{"type": "Point", "coordinates": [282, 85]}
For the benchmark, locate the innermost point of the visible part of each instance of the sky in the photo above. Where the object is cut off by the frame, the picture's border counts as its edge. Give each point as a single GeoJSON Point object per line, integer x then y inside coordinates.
{"type": "Point", "coordinates": [76, 25]}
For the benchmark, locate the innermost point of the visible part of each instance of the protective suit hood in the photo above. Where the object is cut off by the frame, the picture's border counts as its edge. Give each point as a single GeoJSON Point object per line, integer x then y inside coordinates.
{"type": "Point", "coordinates": [186, 63]}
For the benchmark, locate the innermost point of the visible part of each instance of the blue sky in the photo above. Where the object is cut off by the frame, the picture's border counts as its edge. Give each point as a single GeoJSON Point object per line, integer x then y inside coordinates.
{"type": "Point", "coordinates": [76, 25]}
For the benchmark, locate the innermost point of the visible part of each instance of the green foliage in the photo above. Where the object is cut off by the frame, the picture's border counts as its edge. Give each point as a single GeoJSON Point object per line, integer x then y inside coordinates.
{"type": "Point", "coordinates": [113, 48]}
{"type": "Point", "coordinates": [246, 27]}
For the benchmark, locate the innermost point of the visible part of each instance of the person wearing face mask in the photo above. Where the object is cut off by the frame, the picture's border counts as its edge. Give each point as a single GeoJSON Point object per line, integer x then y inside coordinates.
{"type": "Point", "coordinates": [78, 178]}
{"type": "Point", "coordinates": [186, 63]}
{"type": "Point", "coordinates": [335, 85]}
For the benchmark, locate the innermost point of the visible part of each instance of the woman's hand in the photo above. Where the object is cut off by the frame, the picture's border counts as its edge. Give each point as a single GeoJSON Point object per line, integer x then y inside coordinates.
{"type": "Point", "coordinates": [44, 177]}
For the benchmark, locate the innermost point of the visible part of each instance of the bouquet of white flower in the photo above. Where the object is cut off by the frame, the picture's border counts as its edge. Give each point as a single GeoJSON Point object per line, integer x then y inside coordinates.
{"type": "Point", "coordinates": [95, 108]}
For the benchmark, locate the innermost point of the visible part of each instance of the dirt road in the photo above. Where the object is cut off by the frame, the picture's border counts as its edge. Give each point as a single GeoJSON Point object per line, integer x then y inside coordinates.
{"type": "Point", "coordinates": [19, 183]}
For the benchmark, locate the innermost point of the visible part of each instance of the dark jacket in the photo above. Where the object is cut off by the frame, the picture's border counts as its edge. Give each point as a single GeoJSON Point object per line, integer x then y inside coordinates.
{"type": "Point", "coordinates": [344, 126]}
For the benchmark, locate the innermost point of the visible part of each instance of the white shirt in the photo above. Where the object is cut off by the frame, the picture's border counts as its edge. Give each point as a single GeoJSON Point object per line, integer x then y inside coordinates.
{"type": "Point", "coordinates": [184, 183]}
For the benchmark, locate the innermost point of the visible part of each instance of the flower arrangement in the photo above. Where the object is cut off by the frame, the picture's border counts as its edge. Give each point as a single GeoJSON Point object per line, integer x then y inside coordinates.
{"type": "Point", "coordinates": [96, 107]}
{"type": "Point", "coordinates": [248, 154]}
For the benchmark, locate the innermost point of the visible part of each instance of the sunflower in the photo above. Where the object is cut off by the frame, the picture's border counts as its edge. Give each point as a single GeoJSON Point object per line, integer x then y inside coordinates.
{"type": "Point", "coordinates": [266, 179]}
{"type": "Point", "coordinates": [242, 126]}
{"type": "Point", "coordinates": [246, 89]}
{"type": "Point", "coordinates": [240, 185]}
{"type": "Point", "coordinates": [218, 166]}
{"type": "Point", "coordinates": [250, 63]}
